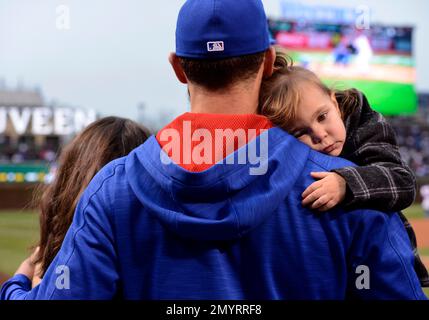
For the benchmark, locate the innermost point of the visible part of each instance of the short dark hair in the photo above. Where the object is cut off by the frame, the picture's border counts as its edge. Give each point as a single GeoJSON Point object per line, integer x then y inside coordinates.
{"type": "Point", "coordinates": [216, 75]}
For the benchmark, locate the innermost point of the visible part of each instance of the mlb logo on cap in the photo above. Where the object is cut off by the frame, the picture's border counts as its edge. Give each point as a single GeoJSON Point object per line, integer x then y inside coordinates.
{"type": "Point", "coordinates": [220, 29]}
{"type": "Point", "coordinates": [215, 46]}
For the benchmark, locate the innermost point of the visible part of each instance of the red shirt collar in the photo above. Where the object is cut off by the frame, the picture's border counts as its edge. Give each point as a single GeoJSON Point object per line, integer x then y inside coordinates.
{"type": "Point", "coordinates": [184, 137]}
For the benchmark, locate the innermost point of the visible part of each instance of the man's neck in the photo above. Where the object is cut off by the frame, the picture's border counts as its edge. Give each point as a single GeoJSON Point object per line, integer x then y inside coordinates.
{"type": "Point", "coordinates": [238, 100]}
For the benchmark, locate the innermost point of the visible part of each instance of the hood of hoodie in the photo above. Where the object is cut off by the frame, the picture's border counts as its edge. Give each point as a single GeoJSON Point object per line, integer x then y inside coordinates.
{"type": "Point", "coordinates": [224, 202]}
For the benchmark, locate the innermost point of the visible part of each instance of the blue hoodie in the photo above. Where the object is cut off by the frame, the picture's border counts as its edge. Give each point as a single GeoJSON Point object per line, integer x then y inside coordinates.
{"type": "Point", "coordinates": [148, 230]}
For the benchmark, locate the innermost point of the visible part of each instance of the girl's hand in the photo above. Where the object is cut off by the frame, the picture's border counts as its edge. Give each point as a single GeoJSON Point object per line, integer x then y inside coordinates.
{"type": "Point", "coordinates": [28, 267]}
{"type": "Point", "coordinates": [36, 276]}
{"type": "Point", "coordinates": [37, 268]}
{"type": "Point", "coordinates": [325, 193]}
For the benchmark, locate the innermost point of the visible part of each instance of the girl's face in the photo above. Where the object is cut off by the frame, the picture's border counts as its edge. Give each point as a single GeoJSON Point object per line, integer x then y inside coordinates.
{"type": "Point", "coordinates": [318, 121]}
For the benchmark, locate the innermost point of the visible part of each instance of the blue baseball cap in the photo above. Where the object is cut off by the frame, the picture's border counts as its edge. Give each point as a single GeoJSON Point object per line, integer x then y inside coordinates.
{"type": "Point", "coordinates": [219, 29]}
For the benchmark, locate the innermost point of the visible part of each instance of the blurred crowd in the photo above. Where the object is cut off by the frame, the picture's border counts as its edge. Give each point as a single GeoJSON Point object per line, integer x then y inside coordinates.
{"type": "Point", "coordinates": [24, 151]}
{"type": "Point", "coordinates": [413, 140]}
{"type": "Point", "coordinates": [413, 137]}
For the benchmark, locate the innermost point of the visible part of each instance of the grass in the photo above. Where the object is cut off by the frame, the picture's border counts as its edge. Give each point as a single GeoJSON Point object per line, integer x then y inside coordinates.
{"type": "Point", "coordinates": [424, 251]}
{"type": "Point", "coordinates": [18, 232]}
{"type": "Point", "coordinates": [414, 212]}
{"type": "Point", "coordinates": [388, 98]}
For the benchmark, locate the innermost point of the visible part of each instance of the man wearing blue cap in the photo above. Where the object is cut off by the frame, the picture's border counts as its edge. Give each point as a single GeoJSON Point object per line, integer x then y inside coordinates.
{"type": "Point", "coordinates": [210, 208]}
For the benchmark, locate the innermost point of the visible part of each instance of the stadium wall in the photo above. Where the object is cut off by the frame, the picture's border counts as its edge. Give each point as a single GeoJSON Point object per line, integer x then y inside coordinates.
{"type": "Point", "coordinates": [17, 196]}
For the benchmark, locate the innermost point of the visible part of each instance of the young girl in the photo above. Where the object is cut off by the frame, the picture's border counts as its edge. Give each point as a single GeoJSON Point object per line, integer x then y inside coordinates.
{"type": "Point", "coordinates": [341, 123]}
{"type": "Point", "coordinates": [101, 142]}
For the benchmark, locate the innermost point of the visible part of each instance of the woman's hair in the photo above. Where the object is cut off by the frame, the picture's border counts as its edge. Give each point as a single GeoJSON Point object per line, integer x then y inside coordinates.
{"type": "Point", "coordinates": [101, 142]}
{"type": "Point", "coordinates": [281, 93]}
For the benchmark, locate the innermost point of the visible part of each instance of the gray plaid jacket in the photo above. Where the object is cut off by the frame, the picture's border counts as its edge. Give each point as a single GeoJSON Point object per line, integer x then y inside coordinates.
{"type": "Point", "coordinates": [382, 181]}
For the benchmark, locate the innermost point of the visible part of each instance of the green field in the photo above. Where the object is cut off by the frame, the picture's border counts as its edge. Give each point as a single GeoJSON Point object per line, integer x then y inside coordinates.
{"type": "Point", "coordinates": [19, 231]}
{"type": "Point", "coordinates": [388, 98]}
{"type": "Point", "coordinates": [414, 212]}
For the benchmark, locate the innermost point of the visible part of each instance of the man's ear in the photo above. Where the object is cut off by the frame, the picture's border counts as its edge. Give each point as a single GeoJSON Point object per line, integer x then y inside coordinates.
{"type": "Point", "coordinates": [270, 58]}
{"type": "Point", "coordinates": [178, 70]}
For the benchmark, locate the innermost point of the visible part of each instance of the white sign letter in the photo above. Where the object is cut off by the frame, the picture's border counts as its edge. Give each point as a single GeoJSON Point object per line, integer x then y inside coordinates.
{"type": "Point", "coordinates": [82, 120]}
{"type": "Point", "coordinates": [41, 125]}
{"type": "Point", "coordinates": [20, 121]}
{"type": "Point", "coordinates": [63, 121]}
{"type": "Point", "coordinates": [3, 121]}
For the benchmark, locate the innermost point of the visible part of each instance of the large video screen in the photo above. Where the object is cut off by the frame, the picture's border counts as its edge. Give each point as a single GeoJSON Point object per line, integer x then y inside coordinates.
{"type": "Point", "coordinates": [378, 60]}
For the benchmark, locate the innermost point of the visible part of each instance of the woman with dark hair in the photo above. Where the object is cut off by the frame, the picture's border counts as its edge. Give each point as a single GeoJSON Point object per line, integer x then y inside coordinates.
{"type": "Point", "coordinates": [101, 142]}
